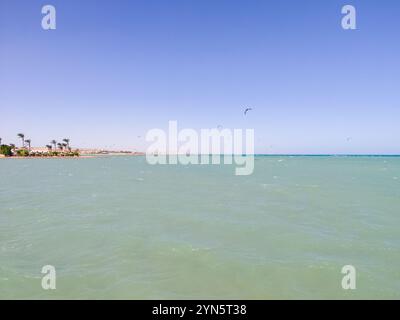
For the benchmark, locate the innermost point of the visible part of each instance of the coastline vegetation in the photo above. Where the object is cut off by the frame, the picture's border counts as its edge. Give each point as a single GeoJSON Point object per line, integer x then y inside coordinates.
{"type": "Point", "coordinates": [53, 149]}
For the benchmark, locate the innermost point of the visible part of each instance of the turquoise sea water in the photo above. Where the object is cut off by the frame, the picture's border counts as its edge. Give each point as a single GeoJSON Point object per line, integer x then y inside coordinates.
{"type": "Point", "coordinates": [118, 228]}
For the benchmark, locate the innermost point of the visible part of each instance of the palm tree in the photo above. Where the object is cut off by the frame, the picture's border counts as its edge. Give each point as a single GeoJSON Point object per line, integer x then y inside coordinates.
{"type": "Point", "coordinates": [60, 146]}
{"type": "Point", "coordinates": [67, 142]}
{"type": "Point", "coordinates": [28, 142]}
{"type": "Point", "coordinates": [0, 141]}
{"type": "Point", "coordinates": [22, 136]}
{"type": "Point", "coordinates": [54, 142]}
{"type": "Point", "coordinates": [49, 147]}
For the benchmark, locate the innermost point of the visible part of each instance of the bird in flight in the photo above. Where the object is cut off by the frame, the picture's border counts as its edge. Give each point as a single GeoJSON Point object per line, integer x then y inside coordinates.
{"type": "Point", "coordinates": [247, 110]}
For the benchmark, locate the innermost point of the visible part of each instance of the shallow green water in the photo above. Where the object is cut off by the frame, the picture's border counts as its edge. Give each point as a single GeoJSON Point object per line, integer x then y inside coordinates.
{"type": "Point", "coordinates": [116, 227]}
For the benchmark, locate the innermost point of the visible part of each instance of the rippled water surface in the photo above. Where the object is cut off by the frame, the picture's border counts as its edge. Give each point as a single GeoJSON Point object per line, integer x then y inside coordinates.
{"type": "Point", "coordinates": [116, 227]}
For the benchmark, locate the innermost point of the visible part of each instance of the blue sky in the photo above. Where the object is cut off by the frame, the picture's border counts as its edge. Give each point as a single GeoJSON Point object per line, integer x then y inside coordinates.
{"type": "Point", "coordinates": [114, 69]}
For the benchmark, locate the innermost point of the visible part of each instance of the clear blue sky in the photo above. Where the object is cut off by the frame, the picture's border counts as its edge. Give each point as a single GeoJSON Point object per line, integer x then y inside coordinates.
{"type": "Point", "coordinates": [114, 69]}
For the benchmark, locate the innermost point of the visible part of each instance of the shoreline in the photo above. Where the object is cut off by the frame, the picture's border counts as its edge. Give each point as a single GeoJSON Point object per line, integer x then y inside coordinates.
{"type": "Point", "coordinates": [86, 156]}
{"type": "Point", "coordinates": [139, 154]}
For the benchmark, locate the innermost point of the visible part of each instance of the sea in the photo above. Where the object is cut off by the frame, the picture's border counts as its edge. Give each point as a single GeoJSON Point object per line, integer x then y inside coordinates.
{"type": "Point", "coordinates": [116, 227]}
